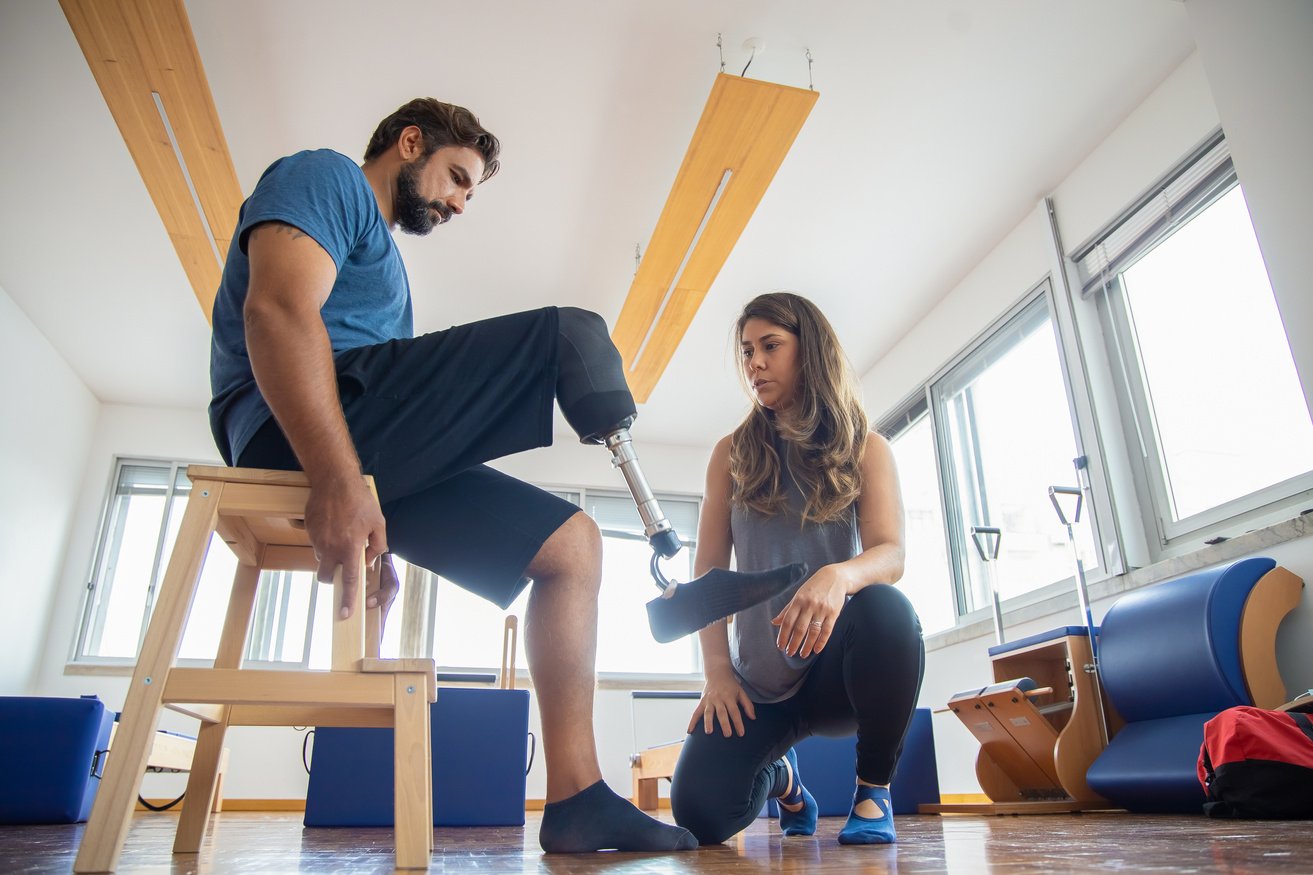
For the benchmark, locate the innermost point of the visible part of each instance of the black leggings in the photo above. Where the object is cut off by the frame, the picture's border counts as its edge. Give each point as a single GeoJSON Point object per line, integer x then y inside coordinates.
{"type": "Point", "coordinates": [866, 680]}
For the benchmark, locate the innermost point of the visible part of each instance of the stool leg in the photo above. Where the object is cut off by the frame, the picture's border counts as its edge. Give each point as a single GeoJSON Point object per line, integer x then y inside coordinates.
{"type": "Point", "coordinates": [349, 634]}
{"type": "Point", "coordinates": [204, 777]}
{"type": "Point", "coordinates": [646, 794]}
{"type": "Point", "coordinates": [111, 815]}
{"type": "Point", "coordinates": [413, 802]}
{"type": "Point", "coordinates": [373, 616]}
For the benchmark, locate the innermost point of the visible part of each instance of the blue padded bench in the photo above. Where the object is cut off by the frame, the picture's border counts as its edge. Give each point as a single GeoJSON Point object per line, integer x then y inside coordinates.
{"type": "Point", "coordinates": [51, 756]}
{"type": "Point", "coordinates": [480, 755]}
{"type": "Point", "coordinates": [1170, 659]}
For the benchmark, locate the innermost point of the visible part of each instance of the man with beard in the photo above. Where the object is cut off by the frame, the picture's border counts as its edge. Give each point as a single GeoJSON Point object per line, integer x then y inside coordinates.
{"type": "Point", "coordinates": [314, 366]}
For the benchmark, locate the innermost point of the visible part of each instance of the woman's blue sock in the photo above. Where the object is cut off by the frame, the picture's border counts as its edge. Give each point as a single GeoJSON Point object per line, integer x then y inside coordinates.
{"type": "Point", "coordinates": [596, 819]}
{"type": "Point", "coordinates": [801, 822]}
{"type": "Point", "coordinates": [867, 830]}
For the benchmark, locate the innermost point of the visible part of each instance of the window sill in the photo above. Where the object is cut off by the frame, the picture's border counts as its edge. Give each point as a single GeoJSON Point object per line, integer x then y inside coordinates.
{"type": "Point", "coordinates": [605, 680]}
{"type": "Point", "coordinates": [981, 624]}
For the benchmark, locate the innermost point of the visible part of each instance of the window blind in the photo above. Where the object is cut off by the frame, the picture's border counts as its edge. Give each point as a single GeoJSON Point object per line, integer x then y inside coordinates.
{"type": "Point", "coordinates": [617, 515]}
{"type": "Point", "coordinates": [1203, 177]}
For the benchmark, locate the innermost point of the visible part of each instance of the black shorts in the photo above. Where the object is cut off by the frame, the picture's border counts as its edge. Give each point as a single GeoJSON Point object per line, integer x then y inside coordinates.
{"type": "Point", "coordinates": [424, 415]}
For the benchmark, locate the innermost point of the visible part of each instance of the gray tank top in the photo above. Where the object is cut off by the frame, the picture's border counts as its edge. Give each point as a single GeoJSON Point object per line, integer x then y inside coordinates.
{"type": "Point", "coordinates": [763, 542]}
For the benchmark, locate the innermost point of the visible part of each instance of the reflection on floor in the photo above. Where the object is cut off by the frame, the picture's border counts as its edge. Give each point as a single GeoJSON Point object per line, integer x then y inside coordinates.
{"type": "Point", "coordinates": [242, 842]}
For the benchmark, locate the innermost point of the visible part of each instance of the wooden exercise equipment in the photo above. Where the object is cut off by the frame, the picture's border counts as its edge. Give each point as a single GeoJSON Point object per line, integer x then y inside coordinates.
{"type": "Point", "coordinates": [1036, 745]}
{"type": "Point", "coordinates": [649, 766]}
{"type": "Point", "coordinates": [510, 631]}
{"type": "Point", "coordinates": [260, 514]}
{"type": "Point", "coordinates": [174, 753]}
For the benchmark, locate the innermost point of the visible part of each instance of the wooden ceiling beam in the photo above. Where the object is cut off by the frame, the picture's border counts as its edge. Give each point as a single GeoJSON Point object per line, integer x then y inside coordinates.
{"type": "Point", "coordinates": [746, 129]}
{"type": "Point", "coordinates": [138, 49]}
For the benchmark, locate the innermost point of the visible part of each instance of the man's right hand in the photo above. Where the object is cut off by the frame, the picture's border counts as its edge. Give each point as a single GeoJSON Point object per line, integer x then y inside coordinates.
{"type": "Point", "coordinates": [342, 516]}
{"type": "Point", "coordinates": [723, 701]}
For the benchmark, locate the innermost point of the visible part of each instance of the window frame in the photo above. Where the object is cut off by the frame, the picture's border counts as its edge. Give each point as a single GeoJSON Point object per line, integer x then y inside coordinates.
{"type": "Point", "coordinates": [1092, 477]}
{"type": "Point", "coordinates": [1107, 306]}
{"type": "Point", "coordinates": [95, 570]}
{"type": "Point", "coordinates": [903, 417]}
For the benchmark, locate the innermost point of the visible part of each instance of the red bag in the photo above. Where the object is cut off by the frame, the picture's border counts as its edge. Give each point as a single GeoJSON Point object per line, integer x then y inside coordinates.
{"type": "Point", "coordinates": [1257, 763]}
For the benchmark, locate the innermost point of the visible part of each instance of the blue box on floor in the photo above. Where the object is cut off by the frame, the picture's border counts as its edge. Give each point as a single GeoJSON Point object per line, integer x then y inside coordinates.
{"type": "Point", "coordinates": [480, 753]}
{"type": "Point", "coordinates": [52, 754]}
{"type": "Point", "coordinates": [827, 767]}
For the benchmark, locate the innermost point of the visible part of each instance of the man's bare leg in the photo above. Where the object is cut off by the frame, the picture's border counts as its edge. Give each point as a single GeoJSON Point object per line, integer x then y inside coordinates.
{"type": "Point", "coordinates": [561, 644]}
{"type": "Point", "coordinates": [582, 813]}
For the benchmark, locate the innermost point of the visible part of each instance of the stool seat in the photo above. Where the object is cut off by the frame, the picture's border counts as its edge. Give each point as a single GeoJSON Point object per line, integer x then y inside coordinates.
{"type": "Point", "coordinates": [260, 515]}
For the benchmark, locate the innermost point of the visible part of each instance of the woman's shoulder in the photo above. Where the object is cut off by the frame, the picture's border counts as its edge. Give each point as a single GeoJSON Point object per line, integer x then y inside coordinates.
{"type": "Point", "coordinates": [719, 461]}
{"type": "Point", "coordinates": [876, 442]}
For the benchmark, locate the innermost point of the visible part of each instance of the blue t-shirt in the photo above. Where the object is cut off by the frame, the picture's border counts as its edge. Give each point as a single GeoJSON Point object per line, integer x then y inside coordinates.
{"type": "Point", "coordinates": [326, 195]}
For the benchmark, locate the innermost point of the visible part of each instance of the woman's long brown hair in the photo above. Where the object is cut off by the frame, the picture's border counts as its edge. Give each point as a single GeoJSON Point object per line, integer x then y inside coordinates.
{"type": "Point", "coordinates": [825, 432]}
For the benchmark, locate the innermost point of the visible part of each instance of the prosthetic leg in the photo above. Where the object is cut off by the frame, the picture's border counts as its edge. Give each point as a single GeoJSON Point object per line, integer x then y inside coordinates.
{"type": "Point", "coordinates": [596, 401]}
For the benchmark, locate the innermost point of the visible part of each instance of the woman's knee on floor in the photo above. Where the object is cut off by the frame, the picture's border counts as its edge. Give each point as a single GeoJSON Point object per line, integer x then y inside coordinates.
{"type": "Point", "coordinates": [704, 808]}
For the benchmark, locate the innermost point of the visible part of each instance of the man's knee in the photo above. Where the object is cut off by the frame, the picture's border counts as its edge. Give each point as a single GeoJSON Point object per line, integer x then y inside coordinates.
{"type": "Point", "coordinates": [575, 547]}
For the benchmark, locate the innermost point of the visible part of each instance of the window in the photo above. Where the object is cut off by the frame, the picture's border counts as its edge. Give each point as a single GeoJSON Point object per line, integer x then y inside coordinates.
{"type": "Point", "coordinates": [1005, 435]}
{"type": "Point", "coordinates": [927, 580]}
{"type": "Point", "coordinates": [293, 614]}
{"type": "Point", "coordinates": [1220, 427]}
{"type": "Point", "coordinates": [468, 629]}
{"type": "Point", "coordinates": [140, 524]}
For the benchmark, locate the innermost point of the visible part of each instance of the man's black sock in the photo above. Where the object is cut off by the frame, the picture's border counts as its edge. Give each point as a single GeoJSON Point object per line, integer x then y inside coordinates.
{"type": "Point", "coordinates": [596, 819]}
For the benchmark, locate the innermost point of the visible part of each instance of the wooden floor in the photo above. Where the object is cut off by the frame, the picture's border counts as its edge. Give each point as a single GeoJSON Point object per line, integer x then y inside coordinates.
{"type": "Point", "coordinates": [269, 843]}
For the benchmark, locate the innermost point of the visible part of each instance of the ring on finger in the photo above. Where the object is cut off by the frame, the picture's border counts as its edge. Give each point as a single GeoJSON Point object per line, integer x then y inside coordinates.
{"type": "Point", "coordinates": [816, 624]}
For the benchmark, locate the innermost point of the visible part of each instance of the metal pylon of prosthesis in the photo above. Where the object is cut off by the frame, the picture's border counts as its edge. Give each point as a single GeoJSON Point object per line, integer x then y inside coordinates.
{"type": "Point", "coordinates": [656, 528]}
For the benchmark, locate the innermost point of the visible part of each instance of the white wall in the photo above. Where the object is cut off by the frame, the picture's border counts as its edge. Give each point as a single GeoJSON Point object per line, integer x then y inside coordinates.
{"type": "Point", "coordinates": [45, 433]}
{"type": "Point", "coordinates": [1260, 70]}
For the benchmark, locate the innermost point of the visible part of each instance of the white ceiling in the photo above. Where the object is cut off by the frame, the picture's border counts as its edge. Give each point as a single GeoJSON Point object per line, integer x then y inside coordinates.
{"type": "Point", "coordinates": [939, 127]}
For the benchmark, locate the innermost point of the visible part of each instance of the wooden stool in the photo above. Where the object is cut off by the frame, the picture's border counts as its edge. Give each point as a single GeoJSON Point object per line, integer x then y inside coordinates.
{"type": "Point", "coordinates": [647, 767]}
{"type": "Point", "coordinates": [260, 514]}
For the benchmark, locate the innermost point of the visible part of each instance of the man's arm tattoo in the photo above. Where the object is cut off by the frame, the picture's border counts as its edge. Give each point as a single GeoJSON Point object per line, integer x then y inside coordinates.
{"type": "Point", "coordinates": [280, 228]}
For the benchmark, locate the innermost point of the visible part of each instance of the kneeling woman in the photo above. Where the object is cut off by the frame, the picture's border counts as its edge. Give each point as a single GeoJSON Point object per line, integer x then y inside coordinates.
{"type": "Point", "coordinates": [802, 479]}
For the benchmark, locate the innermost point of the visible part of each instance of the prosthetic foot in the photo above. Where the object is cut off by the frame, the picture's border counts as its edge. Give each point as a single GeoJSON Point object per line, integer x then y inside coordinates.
{"type": "Point", "coordinates": [684, 608]}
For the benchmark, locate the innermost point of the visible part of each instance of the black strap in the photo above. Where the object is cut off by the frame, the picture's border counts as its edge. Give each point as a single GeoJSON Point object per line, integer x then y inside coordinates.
{"type": "Point", "coordinates": [1303, 722]}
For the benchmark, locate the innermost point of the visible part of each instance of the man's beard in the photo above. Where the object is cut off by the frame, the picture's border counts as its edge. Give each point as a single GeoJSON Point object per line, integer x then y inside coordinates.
{"type": "Point", "coordinates": [413, 214]}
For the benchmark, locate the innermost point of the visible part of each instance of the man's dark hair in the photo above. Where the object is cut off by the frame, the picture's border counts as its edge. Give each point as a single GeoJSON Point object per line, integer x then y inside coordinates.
{"type": "Point", "coordinates": [443, 124]}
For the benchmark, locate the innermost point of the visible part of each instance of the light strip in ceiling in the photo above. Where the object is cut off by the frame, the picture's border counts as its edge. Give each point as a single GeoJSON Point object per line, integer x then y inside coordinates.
{"type": "Point", "coordinates": [145, 61]}
{"type": "Point", "coordinates": [745, 131]}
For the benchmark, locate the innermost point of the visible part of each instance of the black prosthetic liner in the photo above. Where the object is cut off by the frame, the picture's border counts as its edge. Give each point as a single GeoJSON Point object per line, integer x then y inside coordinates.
{"type": "Point", "coordinates": [590, 382]}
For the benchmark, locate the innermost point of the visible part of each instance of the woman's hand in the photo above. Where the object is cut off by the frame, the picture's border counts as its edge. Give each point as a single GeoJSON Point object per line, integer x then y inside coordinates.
{"type": "Point", "coordinates": [722, 699]}
{"type": "Point", "coordinates": [808, 619]}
